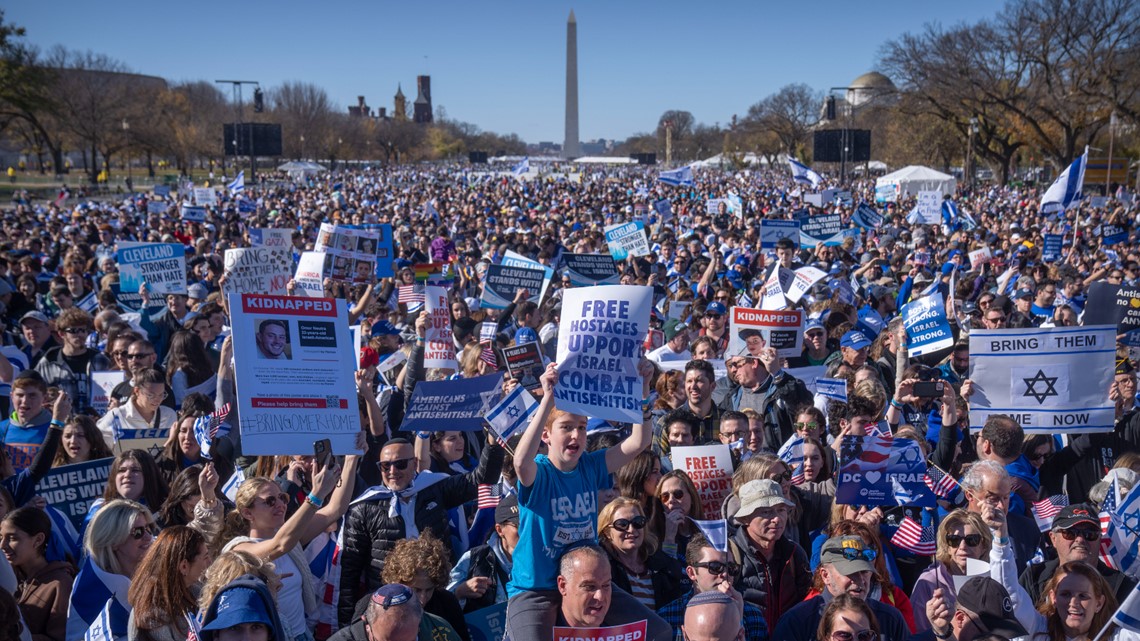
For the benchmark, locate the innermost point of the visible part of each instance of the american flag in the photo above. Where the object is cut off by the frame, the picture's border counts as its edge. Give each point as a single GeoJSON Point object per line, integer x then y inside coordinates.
{"type": "Point", "coordinates": [942, 484]}
{"type": "Point", "coordinates": [1107, 528]}
{"type": "Point", "coordinates": [488, 356]}
{"type": "Point", "coordinates": [489, 495]}
{"type": "Point", "coordinates": [914, 537]}
{"type": "Point", "coordinates": [206, 428]}
{"type": "Point", "coordinates": [411, 294]}
{"type": "Point", "coordinates": [1045, 509]}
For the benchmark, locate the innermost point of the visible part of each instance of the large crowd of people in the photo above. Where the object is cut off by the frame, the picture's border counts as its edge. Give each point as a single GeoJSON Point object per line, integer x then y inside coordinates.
{"type": "Point", "coordinates": [574, 521]}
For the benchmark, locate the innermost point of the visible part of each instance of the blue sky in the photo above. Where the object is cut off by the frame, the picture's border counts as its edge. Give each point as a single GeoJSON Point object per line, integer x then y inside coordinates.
{"type": "Point", "coordinates": [500, 64]}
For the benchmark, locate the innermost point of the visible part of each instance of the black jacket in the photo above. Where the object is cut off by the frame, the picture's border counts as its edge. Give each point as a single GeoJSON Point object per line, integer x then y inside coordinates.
{"type": "Point", "coordinates": [802, 621]}
{"type": "Point", "coordinates": [773, 586]}
{"type": "Point", "coordinates": [1034, 578]}
{"type": "Point", "coordinates": [369, 533]}
{"type": "Point", "coordinates": [785, 394]}
{"type": "Point", "coordinates": [668, 576]}
{"type": "Point", "coordinates": [1088, 457]}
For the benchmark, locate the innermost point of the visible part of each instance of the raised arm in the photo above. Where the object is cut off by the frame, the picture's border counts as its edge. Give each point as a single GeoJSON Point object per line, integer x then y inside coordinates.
{"type": "Point", "coordinates": [294, 529]}
{"type": "Point", "coordinates": [525, 466]}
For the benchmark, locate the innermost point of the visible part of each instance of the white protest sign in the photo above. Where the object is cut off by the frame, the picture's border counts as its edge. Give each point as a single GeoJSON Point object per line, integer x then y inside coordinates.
{"type": "Point", "coordinates": [439, 350]}
{"type": "Point", "coordinates": [162, 266]}
{"type": "Point", "coordinates": [599, 342]}
{"type": "Point", "coordinates": [310, 279]}
{"type": "Point", "coordinates": [102, 383]}
{"type": "Point", "coordinates": [710, 468]}
{"type": "Point", "coordinates": [979, 257]}
{"type": "Point", "coordinates": [1049, 380]}
{"type": "Point", "coordinates": [751, 330]}
{"type": "Point", "coordinates": [804, 279]}
{"type": "Point", "coordinates": [929, 207]}
{"type": "Point", "coordinates": [808, 375]}
{"type": "Point", "coordinates": [205, 196]}
{"type": "Point", "coordinates": [257, 270]}
{"type": "Point", "coordinates": [293, 361]}
{"type": "Point", "coordinates": [774, 298]}
{"type": "Point", "coordinates": [271, 237]}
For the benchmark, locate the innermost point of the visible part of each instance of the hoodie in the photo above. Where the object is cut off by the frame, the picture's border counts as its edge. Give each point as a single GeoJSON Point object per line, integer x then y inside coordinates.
{"type": "Point", "coordinates": [255, 584]}
{"type": "Point", "coordinates": [23, 440]}
{"type": "Point", "coordinates": [44, 598]}
{"type": "Point", "coordinates": [1026, 485]}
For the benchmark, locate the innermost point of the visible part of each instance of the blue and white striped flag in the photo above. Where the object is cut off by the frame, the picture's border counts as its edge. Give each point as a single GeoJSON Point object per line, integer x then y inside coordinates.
{"type": "Point", "coordinates": [949, 212]}
{"type": "Point", "coordinates": [1123, 532]}
{"type": "Point", "coordinates": [98, 601]}
{"type": "Point", "coordinates": [229, 490]}
{"type": "Point", "coordinates": [833, 388]}
{"type": "Point", "coordinates": [792, 453]}
{"type": "Point", "coordinates": [715, 531]}
{"type": "Point", "coordinates": [521, 168]}
{"type": "Point", "coordinates": [238, 184]}
{"type": "Point", "coordinates": [65, 543]}
{"type": "Point", "coordinates": [801, 173]}
{"type": "Point", "coordinates": [867, 217]}
{"type": "Point", "coordinates": [116, 428]}
{"type": "Point", "coordinates": [209, 427]}
{"type": "Point", "coordinates": [682, 176]}
{"type": "Point", "coordinates": [512, 413]}
{"type": "Point", "coordinates": [1128, 614]}
{"type": "Point", "coordinates": [1066, 190]}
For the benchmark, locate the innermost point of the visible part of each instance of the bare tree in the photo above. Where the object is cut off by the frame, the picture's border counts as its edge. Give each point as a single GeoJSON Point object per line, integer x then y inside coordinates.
{"type": "Point", "coordinates": [306, 115]}
{"type": "Point", "coordinates": [789, 113]}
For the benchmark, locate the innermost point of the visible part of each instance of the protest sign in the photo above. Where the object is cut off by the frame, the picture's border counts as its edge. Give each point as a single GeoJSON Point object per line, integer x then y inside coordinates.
{"type": "Point", "coordinates": [710, 468]}
{"type": "Point", "coordinates": [514, 259]}
{"type": "Point", "coordinates": [591, 269]}
{"type": "Point", "coordinates": [160, 207]}
{"type": "Point", "coordinates": [803, 279]}
{"type": "Point", "coordinates": [487, 624]}
{"type": "Point", "coordinates": [882, 470]}
{"type": "Point", "coordinates": [809, 375]}
{"type": "Point", "coordinates": [101, 385]}
{"type": "Point", "coordinates": [887, 193]}
{"type": "Point", "coordinates": [664, 210]}
{"type": "Point", "coordinates": [205, 196]}
{"type": "Point", "coordinates": [826, 228]}
{"type": "Point", "coordinates": [927, 328]}
{"type": "Point", "coordinates": [271, 237]}
{"type": "Point", "coordinates": [353, 252]}
{"type": "Point", "coordinates": [293, 356]}
{"type": "Point", "coordinates": [1051, 252]}
{"type": "Point", "coordinates": [628, 632]}
{"type": "Point", "coordinates": [501, 283]}
{"type": "Point", "coordinates": [72, 489]}
{"type": "Point", "coordinates": [149, 440]}
{"type": "Point", "coordinates": [439, 350]}
{"type": "Point", "coordinates": [257, 270]}
{"type": "Point", "coordinates": [929, 207]}
{"type": "Point", "coordinates": [1110, 304]}
{"type": "Point", "coordinates": [310, 275]}
{"type": "Point", "coordinates": [524, 364]}
{"type": "Point", "coordinates": [457, 404]}
{"type": "Point", "coordinates": [771, 231]}
{"type": "Point", "coordinates": [192, 213]}
{"type": "Point", "coordinates": [385, 247]}
{"type": "Point", "coordinates": [162, 266]}
{"type": "Point", "coordinates": [774, 297]}
{"type": "Point", "coordinates": [627, 239]}
{"type": "Point", "coordinates": [1049, 380]}
{"type": "Point", "coordinates": [867, 217]}
{"type": "Point", "coordinates": [599, 341]}
{"type": "Point", "coordinates": [1113, 234]}
{"type": "Point", "coordinates": [751, 330]}
{"type": "Point", "coordinates": [979, 257]}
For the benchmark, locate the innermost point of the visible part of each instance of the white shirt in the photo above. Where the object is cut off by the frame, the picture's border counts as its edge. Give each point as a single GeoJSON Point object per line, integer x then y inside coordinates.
{"type": "Point", "coordinates": [666, 353]}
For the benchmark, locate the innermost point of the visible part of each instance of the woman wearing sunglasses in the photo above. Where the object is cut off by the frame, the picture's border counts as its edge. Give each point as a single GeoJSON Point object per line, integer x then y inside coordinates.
{"type": "Point", "coordinates": [961, 536]}
{"type": "Point", "coordinates": [167, 585]}
{"type": "Point", "coordinates": [636, 565]}
{"type": "Point", "coordinates": [848, 618]}
{"type": "Point", "coordinates": [677, 493]}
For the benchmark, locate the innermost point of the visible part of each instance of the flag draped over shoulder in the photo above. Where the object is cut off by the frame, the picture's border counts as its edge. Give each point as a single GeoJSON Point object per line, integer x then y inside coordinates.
{"type": "Point", "coordinates": [99, 601]}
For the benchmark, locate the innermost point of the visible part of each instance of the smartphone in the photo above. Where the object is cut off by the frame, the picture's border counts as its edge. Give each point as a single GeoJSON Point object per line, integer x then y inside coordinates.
{"type": "Point", "coordinates": [322, 454]}
{"type": "Point", "coordinates": [928, 389]}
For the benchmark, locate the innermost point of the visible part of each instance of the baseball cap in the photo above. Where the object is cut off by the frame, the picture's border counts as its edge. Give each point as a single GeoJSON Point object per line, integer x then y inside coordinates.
{"type": "Point", "coordinates": [813, 323]}
{"type": "Point", "coordinates": [870, 322]}
{"type": "Point", "coordinates": [507, 510]}
{"type": "Point", "coordinates": [237, 606]}
{"type": "Point", "coordinates": [384, 328]}
{"type": "Point", "coordinates": [849, 554]}
{"type": "Point", "coordinates": [1023, 294]}
{"type": "Point", "coordinates": [757, 494]}
{"type": "Point", "coordinates": [39, 316]}
{"type": "Point", "coordinates": [197, 291]}
{"type": "Point", "coordinates": [1074, 515]}
{"type": "Point", "coordinates": [855, 339]}
{"type": "Point", "coordinates": [673, 327]}
{"type": "Point", "coordinates": [990, 602]}
{"type": "Point", "coordinates": [716, 307]}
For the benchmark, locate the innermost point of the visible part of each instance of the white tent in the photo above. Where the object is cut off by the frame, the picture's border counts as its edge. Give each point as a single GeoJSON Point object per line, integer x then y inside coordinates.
{"type": "Point", "coordinates": [301, 168]}
{"type": "Point", "coordinates": [908, 181]}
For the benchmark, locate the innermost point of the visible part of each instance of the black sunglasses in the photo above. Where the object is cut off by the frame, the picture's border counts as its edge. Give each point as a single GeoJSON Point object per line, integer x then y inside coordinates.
{"type": "Point", "coordinates": [622, 525]}
{"type": "Point", "coordinates": [76, 330]}
{"type": "Point", "coordinates": [717, 567]}
{"type": "Point", "coordinates": [1088, 535]}
{"type": "Point", "coordinates": [862, 635]}
{"type": "Point", "coordinates": [713, 316]}
{"type": "Point", "coordinates": [972, 540]}
{"type": "Point", "coordinates": [141, 531]}
{"type": "Point", "coordinates": [402, 464]}
{"type": "Point", "coordinates": [271, 501]}
{"type": "Point", "coordinates": [676, 494]}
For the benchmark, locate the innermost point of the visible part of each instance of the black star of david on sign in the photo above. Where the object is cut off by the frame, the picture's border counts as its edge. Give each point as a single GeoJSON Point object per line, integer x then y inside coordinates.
{"type": "Point", "coordinates": [1031, 386]}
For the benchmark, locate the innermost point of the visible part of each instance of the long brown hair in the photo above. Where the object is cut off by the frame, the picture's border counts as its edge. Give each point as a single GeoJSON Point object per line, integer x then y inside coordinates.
{"type": "Point", "coordinates": [629, 481]}
{"type": "Point", "coordinates": [154, 487]}
{"type": "Point", "coordinates": [188, 353]}
{"type": "Point", "coordinates": [838, 604]}
{"type": "Point", "coordinates": [158, 593]}
{"type": "Point", "coordinates": [1100, 589]}
{"type": "Point", "coordinates": [94, 437]}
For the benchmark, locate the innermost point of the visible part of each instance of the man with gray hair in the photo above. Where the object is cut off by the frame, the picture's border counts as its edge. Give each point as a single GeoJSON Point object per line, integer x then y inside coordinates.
{"type": "Point", "coordinates": [713, 616]}
{"type": "Point", "coordinates": [987, 487]}
{"type": "Point", "coordinates": [393, 613]}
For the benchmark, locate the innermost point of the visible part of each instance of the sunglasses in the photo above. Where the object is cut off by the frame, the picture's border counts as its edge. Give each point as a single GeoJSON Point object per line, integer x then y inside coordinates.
{"type": "Point", "coordinates": [716, 567]}
{"type": "Point", "coordinates": [271, 501]}
{"type": "Point", "coordinates": [402, 464]}
{"type": "Point", "coordinates": [1088, 535]}
{"type": "Point", "coordinates": [862, 635]}
{"type": "Point", "coordinates": [852, 554]}
{"type": "Point", "coordinates": [132, 357]}
{"type": "Point", "coordinates": [76, 330]}
{"type": "Point", "coordinates": [143, 530]}
{"type": "Point", "coordinates": [806, 426]}
{"type": "Point", "coordinates": [622, 525]}
{"type": "Point", "coordinates": [972, 540]}
{"type": "Point", "coordinates": [676, 494]}
{"type": "Point", "coordinates": [119, 354]}
{"type": "Point", "coordinates": [782, 477]}
{"type": "Point", "coordinates": [713, 316]}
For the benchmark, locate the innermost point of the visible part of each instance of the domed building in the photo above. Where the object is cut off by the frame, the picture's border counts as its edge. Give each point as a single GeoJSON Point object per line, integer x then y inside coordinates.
{"type": "Point", "coordinates": [869, 88]}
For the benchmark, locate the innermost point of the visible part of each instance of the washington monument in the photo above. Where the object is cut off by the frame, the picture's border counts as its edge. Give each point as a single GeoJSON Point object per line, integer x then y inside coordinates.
{"type": "Point", "coordinates": [571, 147]}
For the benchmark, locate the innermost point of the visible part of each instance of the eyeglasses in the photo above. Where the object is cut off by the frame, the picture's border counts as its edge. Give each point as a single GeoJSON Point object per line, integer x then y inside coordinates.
{"type": "Point", "coordinates": [1040, 457]}
{"type": "Point", "coordinates": [158, 397]}
{"type": "Point", "coordinates": [402, 464]}
{"type": "Point", "coordinates": [271, 501]}
{"type": "Point", "coordinates": [852, 554]}
{"type": "Point", "coordinates": [1088, 535]}
{"type": "Point", "coordinates": [713, 316]}
{"type": "Point", "coordinates": [402, 595]}
{"type": "Point", "coordinates": [622, 525]}
{"type": "Point", "coordinates": [717, 567]}
{"type": "Point", "coordinates": [676, 494]}
{"type": "Point", "coordinates": [806, 426]}
{"type": "Point", "coordinates": [862, 635]}
{"type": "Point", "coordinates": [119, 354]}
{"type": "Point", "coordinates": [143, 530]}
{"type": "Point", "coordinates": [133, 357]}
{"type": "Point", "coordinates": [76, 330]}
{"type": "Point", "coordinates": [972, 540]}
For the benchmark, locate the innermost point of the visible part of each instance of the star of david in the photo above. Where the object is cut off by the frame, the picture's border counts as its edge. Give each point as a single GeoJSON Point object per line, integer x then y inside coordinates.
{"type": "Point", "coordinates": [513, 411]}
{"type": "Point", "coordinates": [1031, 386]}
{"type": "Point", "coordinates": [1131, 523]}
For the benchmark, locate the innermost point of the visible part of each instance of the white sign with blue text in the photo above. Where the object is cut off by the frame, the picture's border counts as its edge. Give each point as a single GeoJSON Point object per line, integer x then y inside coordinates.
{"type": "Point", "coordinates": [927, 327]}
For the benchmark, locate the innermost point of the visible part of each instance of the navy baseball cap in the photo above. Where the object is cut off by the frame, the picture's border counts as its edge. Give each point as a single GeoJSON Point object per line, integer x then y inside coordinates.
{"type": "Point", "coordinates": [384, 328]}
{"type": "Point", "coordinates": [716, 308]}
{"type": "Point", "coordinates": [238, 606]}
{"type": "Point", "coordinates": [855, 339]}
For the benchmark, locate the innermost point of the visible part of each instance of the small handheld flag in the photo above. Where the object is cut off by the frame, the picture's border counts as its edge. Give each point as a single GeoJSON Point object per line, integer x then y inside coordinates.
{"type": "Point", "coordinates": [913, 537]}
{"type": "Point", "coordinates": [512, 413]}
{"type": "Point", "coordinates": [715, 531]}
{"type": "Point", "coordinates": [1046, 509]}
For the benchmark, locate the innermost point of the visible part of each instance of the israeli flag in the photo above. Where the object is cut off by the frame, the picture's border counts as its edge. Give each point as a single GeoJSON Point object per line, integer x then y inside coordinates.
{"type": "Point", "coordinates": [1124, 532]}
{"type": "Point", "coordinates": [512, 414]}
{"type": "Point", "coordinates": [116, 428]}
{"type": "Point", "coordinates": [99, 604]}
{"type": "Point", "coordinates": [231, 487]}
{"type": "Point", "coordinates": [677, 177]}
{"type": "Point", "coordinates": [801, 173]}
{"type": "Point", "coordinates": [1128, 615]}
{"type": "Point", "coordinates": [715, 531]}
{"type": "Point", "coordinates": [430, 210]}
{"type": "Point", "coordinates": [65, 542]}
{"type": "Point", "coordinates": [521, 168]}
{"type": "Point", "coordinates": [792, 452]}
{"type": "Point", "coordinates": [238, 184]}
{"type": "Point", "coordinates": [833, 388]}
{"type": "Point", "coordinates": [949, 212]}
{"type": "Point", "coordinates": [1066, 190]}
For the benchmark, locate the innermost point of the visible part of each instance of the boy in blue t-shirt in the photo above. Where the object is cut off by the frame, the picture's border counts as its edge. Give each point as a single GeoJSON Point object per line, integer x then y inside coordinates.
{"type": "Point", "coordinates": [558, 508]}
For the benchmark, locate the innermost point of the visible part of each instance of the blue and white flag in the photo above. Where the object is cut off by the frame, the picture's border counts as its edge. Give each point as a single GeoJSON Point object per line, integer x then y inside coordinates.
{"type": "Point", "coordinates": [116, 429]}
{"type": "Point", "coordinates": [801, 173]}
{"type": "Point", "coordinates": [65, 544]}
{"type": "Point", "coordinates": [867, 217]}
{"type": "Point", "coordinates": [833, 388]}
{"type": "Point", "coordinates": [238, 184]}
{"type": "Point", "coordinates": [1123, 532]}
{"type": "Point", "coordinates": [512, 414]}
{"type": "Point", "coordinates": [209, 427]}
{"type": "Point", "coordinates": [521, 168]}
{"type": "Point", "coordinates": [677, 177]}
{"type": "Point", "coordinates": [229, 490]}
{"type": "Point", "coordinates": [94, 595]}
{"type": "Point", "coordinates": [715, 531]}
{"type": "Point", "coordinates": [664, 209]}
{"type": "Point", "coordinates": [430, 210]}
{"type": "Point", "coordinates": [792, 453]}
{"type": "Point", "coordinates": [869, 465]}
{"type": "Point", "coordinates": [1066, 190]}
{"type": "Point", "coordinates": [1128, 614]}
{"type": "Point", "coordinates": [949, 213]}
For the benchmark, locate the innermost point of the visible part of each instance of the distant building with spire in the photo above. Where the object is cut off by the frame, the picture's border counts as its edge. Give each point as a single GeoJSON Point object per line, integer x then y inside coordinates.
{"type": "Point", "coordinates": [422, 110]}
{"type": "Point", "coordinates": [400, 106]}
